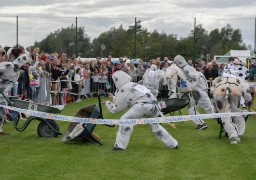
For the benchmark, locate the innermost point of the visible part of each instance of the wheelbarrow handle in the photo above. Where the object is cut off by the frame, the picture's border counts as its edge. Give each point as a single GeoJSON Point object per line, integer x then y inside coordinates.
{"type": "Point", "coordinates": [10, 103]}
{"type": "Point", "coordinates": [100, 106]}
{"type": "Point", "coordinates": [101, 114]}
{"type": "Point", "coordinates": [109, 125]}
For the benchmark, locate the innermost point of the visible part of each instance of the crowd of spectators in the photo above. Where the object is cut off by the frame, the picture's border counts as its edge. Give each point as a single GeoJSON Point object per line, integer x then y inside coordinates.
{"type": "Point", "coordinates": [211, 70]}
{"type": "Point", "coordinates": [56, 79]}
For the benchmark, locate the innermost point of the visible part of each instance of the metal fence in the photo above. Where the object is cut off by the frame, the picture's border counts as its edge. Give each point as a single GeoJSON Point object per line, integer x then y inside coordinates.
{"type": "Point", "coordinates": [27, 30]}
{"type": "Point", "coordinates": [91, 87]}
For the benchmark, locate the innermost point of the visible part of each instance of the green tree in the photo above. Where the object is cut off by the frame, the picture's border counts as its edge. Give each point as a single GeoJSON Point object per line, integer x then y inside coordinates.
{"type": "Point", "coordinates": [119, 42]}
{"type": "Point", "coordinates": [64, 40]}
{"type": "Point", "coordinates": [217, 42]}
{"type": "Point", "coordinates": [231, 39]}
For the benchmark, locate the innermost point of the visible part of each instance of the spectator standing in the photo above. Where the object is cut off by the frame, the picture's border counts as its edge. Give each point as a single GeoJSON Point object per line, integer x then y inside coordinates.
{"type": "Point", "coordinates": [214, 64]}
{"type": "Point", "coordinates": [109, 59]}
{"type": "Point", "coordinates": [124, 67]}
{"type": "Point", "coordinates": [221, 69]}
{"type": "Point", "coordinates": [117, 68]}
{"type": "Point", "coordinates": [110, 70]}
{"type": "Point", "coordinates": [140, 68]}
{"type": "Point", "coordinates": [56, 72]}
{"type": "Point", "coordinates": [253, 72]}
{"type": "Point", "coordinates": [190, 62]}
{"type": "Point", "coordinates": [210, 74]}
{"type": "Point", "coordinates": [64, 85]}
{"type": "Point", "coordinates": [45, 81]}
{"type": "Point", "coordinates": [72, 70]}
{"type": "Point", "coordinates": [252, 78]}
{"type": "Point", "coordinates": [133, 72]}
{"type": "Point", "coordinates": [81, 85]}
{"type": "Point", "coordinates": [87, 77]}
{"type": "Point", "coordinates": [95, 81]}
{"type": "Point", "coordinates": [63, 58]}
{"type": "Point", "coordinates": [93, 67]}
{"type": "Point", "coordinates": [24, 83]}
{"type": "Point", "coordinates": [35, 86]}
{"type": "Point", "coordinates": [2, 54]}
{"type": "Point", "coordinates": [78, 81]}
{"type": "Point", "coordinates": [199, 65]}
{"type": "Point", "coordinates": [103, 72]}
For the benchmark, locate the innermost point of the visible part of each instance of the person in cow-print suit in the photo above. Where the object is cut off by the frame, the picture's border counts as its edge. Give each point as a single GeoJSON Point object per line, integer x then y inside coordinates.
{"type": "Point", "coordinates": [142, 103]}
{"type": "Point", "coordinates": [8, 76]}
{"type": "Point", "coordinates": [197, 88]}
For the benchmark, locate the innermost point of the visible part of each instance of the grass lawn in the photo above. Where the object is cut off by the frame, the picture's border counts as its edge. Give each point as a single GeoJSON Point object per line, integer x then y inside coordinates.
{"type": "Point", "coordinates": [201, 155]}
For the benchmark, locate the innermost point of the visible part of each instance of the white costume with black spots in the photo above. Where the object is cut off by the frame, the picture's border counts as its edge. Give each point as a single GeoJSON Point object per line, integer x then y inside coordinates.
{"type": "Point", "coordinates": [8, 76]}
{"type": "Point", "coordinates": [198, 84]}
{"type": "Point", "coordinates": [172, 73]}
{"type": "Point", "coordinates": [142, 104]}
{"type": "Point", "coordinates": [153, 78]}
{"type": "Point", "coordinates": [227, 92]}
{"type": "Point", "coordinates": [236, 68]}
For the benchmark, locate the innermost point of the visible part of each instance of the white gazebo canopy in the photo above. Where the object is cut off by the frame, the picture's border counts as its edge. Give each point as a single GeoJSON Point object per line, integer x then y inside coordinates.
{"type": "Point", "coordinates": [240, 54]}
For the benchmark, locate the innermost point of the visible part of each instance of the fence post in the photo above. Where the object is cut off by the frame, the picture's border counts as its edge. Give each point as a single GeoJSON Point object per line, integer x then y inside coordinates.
{"type": "Point", "coordinates": [194, 43]}
{"type": "Point", "coordinates": [255, 35]}
{"type": "Point", "coordinates": [76, 38]}
{"type": "Point", "coordinates": [17, 30]}
{"type": "Point", "coordinates": [135, 38]}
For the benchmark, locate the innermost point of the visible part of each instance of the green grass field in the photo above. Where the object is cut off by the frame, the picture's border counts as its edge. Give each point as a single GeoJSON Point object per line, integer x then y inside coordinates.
{"type": "Point", "coordinates": [201, 155]}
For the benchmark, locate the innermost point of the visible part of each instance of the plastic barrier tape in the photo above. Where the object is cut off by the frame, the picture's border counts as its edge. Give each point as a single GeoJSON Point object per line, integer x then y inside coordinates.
{"type": "Point", "coordinates": [167, 119]}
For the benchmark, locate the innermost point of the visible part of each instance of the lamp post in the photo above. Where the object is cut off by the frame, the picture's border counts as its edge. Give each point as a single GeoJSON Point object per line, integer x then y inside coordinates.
{"type": "Point", "coordinates": [194, 43]}
{"type": "Point", "coordinates": [137, 24]}
{"type": "Point", "coordinates": [144, 46]}
{"type": "Point", "coordinates": [71, 45]}
{"type": "Point", "coordinates": [102, 48]}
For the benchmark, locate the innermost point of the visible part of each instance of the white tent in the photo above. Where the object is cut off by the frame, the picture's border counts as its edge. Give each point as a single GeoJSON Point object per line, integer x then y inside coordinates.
{"type": "Point", "coordinates": [240, 54]}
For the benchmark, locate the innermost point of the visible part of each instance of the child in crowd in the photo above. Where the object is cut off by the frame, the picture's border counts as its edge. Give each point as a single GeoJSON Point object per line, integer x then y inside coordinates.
{"type": "Point", "coordinates": [78, 81]}
{"type": "Point", "coordinates": [95, 81]}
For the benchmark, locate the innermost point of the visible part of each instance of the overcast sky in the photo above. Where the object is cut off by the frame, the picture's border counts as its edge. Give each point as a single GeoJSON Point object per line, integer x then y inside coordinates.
{"type": "Point", "coordinates": [178, 13]}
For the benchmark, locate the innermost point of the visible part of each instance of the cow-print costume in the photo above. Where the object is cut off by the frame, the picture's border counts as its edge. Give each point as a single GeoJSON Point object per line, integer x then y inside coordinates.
{"type": "Point", "coordinates": [153, 78]}
{"type": "Point", "coordinates": [142, 104]}
{"type": "Point", "coordinates": [227, 92]}
{"type": "Point", "coordinates": [197, 83]}
{"type": "Point", "coordinates": [9, 75]}
{"type": "Point", "coordinates": [237, 69]}
{"type": "Point", "coordinates": [172, 73]}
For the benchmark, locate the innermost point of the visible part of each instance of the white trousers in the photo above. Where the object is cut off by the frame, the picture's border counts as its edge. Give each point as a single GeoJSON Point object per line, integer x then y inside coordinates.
{"type": "Point", "coordinates": [201, 101]}
{"type": "Point", "coordinates": [2, 113]}
{"type": "Point", "coordinates": [142, 111]}
{"type": "Point", "coordinates": [234, 126]}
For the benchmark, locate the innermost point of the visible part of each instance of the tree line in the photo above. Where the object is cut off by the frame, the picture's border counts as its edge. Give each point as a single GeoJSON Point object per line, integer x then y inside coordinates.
{"type": "Point", "coordinates": [118, 42]}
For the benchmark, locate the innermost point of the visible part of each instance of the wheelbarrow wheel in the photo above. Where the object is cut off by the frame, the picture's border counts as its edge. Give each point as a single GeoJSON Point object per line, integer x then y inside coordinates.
{"type": "Point", "coordinates": [44, 130]}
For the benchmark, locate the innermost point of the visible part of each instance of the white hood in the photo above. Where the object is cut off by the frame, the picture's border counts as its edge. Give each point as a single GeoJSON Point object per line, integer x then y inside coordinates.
{"type": "Point", "coordinates": [180, 61]}
{"type": "Point", "coordinates": [120, 78]}
{"type": "Point", "coordinates": [21, 60]}
{"type": "Point", "coordinates": [153, 67]}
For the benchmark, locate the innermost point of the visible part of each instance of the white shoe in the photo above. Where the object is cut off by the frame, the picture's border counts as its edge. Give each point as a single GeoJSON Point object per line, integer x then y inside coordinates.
{"type": "Point", "coordinates": [76, 131]}
{"type": "Point", "coordinates": [233, 142]}
{"type": "Point", "coordinates": [201, 126]}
